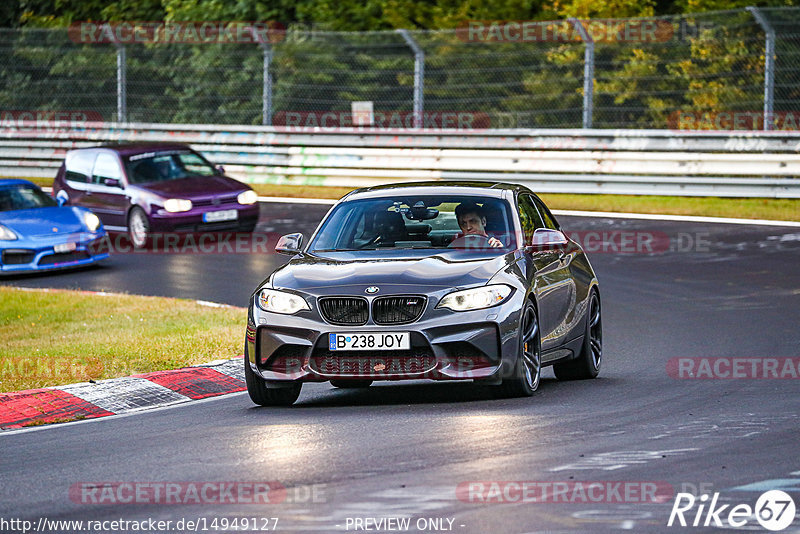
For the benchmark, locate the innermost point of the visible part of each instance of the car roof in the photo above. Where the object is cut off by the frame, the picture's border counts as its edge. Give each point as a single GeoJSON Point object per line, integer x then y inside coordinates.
{"type": "Point", "coordinates": [130, 149]}
{"type": "Point", "coordinates": [485, 189]}
{"type": "Point", "coordinates": [14, 181]}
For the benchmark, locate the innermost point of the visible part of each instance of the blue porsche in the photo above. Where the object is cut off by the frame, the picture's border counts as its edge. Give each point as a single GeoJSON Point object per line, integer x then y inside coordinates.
{"type": "Point", "coordinates": [38, 234]}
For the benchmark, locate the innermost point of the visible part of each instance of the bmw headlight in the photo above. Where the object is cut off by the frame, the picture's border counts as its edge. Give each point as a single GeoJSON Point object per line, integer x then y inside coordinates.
{"type": "Point", "coordinates": [6, 234]}
{"type": "Point", "coordinates": [176, 205]}
{"type": "Point", "coordinates": [91, 221]}
{"type": "Point", "coordinates": [280, 301]}
{"type": "Point", "coordinates": [248, 197]}
{"type": "Point", "coordinates": [476, 298]}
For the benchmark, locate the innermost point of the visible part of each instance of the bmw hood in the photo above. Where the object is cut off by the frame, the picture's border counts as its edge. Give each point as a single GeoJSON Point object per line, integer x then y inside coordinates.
{"type": "Point", "coordinates": [338, 274]}
{"type": "Point", "coordinates": [43, 221]}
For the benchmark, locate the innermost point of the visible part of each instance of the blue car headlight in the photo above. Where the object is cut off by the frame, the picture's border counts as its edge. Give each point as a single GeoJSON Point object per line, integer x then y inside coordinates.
{"type": "Point", "coordinates": [91, 221]}
{"type": "Point", "coordinates": [476, 298]}
{"type": "Point", "coordinates": [6, 234]}
{"type": "Point", "coordinates": [280, 302]}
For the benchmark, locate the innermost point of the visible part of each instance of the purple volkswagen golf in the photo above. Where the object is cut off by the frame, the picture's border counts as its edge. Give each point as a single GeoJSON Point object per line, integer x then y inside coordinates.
{"type": "Point", "coordinates": [152, 188]}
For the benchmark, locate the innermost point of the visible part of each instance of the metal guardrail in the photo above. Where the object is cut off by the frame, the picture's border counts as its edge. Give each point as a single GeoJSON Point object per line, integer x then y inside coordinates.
{"type": "Point", "coordinates": [730, 164]}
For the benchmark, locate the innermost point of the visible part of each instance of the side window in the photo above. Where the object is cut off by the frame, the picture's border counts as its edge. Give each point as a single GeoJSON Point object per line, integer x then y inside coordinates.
{"type": "Point", "coordinates": [106, 166]}
{"type": "Point", "coordinates": [547, 217]}
{"type": "Point", "coordinates": [79, 166]}
{"type": "Point", "coordinates": [529, 217]}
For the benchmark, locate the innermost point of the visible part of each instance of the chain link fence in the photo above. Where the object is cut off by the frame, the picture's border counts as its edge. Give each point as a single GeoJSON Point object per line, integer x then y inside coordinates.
{"type": "Point", "coordinates": [642, 73]}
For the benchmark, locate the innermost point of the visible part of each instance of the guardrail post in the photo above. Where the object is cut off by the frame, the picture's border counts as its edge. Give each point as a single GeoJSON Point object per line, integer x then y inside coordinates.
{"type": "Point", "coordinates": [588, 72]}
{"type": "Point", "coordinates": [266, 78]}
{"type": "Point", "coordinates": [419, 76]}
{"type": "Point", "coordinates": [122, 83]}
{"type": "Point", "coordinates": [769, 66]}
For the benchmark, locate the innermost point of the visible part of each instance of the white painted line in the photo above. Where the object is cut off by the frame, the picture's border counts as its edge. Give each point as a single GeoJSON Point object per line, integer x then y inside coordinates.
{"type": "Point", "coordinates": [123, 395]}
{"type": "Point", "coordinates": [292, 200]}
{"type": "Point", "coordinates": [685, 218]}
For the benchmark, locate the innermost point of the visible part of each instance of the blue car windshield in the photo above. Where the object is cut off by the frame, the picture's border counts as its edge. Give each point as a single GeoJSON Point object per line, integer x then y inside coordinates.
{"type": "Point", "coordinates": [24, 197]}
{"type": "Point", "coordinates": [414, 222]}
{"type": "Point", "coordinates": [167, 165]}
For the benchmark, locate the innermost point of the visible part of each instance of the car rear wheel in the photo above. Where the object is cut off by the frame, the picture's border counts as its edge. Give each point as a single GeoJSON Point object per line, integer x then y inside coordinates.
{"type": "Point", "coordinates": [587, 365]}
{"type": "Point", "coordinates": [528, 368]}
{"type": "Point", "coordinates": [350, 384]}
{"type": "Point", "coordinates": [138, 227]}
{"type": "Point", "coordinates": [265, 396]}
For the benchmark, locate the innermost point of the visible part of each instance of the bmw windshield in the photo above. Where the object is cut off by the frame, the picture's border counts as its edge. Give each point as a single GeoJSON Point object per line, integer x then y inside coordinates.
{"type": "Point", "coordinates": [417, 222]}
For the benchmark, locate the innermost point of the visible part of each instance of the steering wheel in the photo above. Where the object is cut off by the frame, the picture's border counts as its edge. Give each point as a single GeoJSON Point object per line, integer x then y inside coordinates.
{"type": "Point", "coordinates": [470, 241]}
{"type": "Point", "coordinates": [374, 241]}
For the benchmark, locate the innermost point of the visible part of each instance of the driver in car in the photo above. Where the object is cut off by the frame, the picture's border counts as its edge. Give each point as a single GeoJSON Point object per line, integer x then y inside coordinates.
{"type": "Point", "coordinates": [472, 221]}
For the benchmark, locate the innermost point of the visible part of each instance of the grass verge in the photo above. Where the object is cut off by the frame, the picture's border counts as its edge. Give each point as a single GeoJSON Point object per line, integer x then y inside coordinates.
{"type": "Point", "coordinates": [780, 209]}
{"type": "Point", "coordinates": [58, 337]}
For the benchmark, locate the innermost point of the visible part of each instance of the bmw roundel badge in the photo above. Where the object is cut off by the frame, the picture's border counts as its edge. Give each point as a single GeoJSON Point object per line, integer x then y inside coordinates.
{"type": "Point", "coordinates": [372, 290]}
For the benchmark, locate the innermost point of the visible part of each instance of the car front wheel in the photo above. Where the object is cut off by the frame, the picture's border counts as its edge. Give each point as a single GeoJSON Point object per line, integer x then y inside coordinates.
{"type": "Point", "coordinates": [138, 227]}
{"type": "Point", "coordinates": [265, 396]}
{"type": "Point", "coordinates": [528, 368]}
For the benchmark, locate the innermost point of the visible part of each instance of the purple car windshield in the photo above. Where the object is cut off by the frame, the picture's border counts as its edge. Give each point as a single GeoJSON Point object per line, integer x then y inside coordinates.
{"type": "Point", "coordinates": [152, 167]}
{"type": "Point", "coordinates": [23, 197]}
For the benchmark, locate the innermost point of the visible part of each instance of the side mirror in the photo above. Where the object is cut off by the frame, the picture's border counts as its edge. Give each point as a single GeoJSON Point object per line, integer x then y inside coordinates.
{"type": "Point", "coordinates": [547, 238]}
{"type": "Point", "coordinates": [289, 244]}
{"type": "Point", "coordinates": [62, 197]}
{"type": "Point", "coordinates": [112, 182]}
{"type": "Point", "coordinates": [220, 169]}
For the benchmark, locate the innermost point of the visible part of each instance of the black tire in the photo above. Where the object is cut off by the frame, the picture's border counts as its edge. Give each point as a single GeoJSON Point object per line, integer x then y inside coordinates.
{"type": "Point", "coordinates": [264, 396]}
{"type": "Point", "coordinates": [343, 383]}
{"type": "Point", "coordinates": [528, 367]}
{"type": "Point", "coordinates": [587, 364]}
{"type": "Point", "coordinates": [138, 228]}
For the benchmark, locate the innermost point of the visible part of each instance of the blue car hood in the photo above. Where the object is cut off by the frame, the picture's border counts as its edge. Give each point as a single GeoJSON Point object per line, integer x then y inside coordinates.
{"type": "Point", "coordinates": [42, 221]}
{"type": "Point", "coordinates": [336, 273]}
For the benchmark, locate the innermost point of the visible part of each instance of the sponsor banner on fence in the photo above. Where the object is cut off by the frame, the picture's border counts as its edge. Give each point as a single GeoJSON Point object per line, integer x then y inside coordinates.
{"type": "Point", "coordinates": [47, 120]}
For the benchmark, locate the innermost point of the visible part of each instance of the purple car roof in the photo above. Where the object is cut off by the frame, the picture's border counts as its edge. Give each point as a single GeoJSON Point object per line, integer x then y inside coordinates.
{"type": "Point", "coordinates": [131, 149]}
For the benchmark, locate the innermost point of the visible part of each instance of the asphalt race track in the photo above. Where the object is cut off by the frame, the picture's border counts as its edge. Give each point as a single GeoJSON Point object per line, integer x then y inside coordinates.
{"type": "Point", "coordinates": [448, 455]}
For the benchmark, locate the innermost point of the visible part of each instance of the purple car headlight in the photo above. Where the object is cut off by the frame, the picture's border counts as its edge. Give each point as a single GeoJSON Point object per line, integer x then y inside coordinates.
{"type": "Point", "coordinates": [247, 197]}
{"type": "Point", "coordinates": [177, 205]}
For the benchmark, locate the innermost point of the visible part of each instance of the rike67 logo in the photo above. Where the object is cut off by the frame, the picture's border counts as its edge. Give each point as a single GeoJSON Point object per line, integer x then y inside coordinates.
{"type": "Point", "coordinates": [774, 510]}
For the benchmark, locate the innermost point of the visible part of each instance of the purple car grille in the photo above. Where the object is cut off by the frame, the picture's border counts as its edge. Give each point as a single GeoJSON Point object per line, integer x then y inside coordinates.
{"type": "Point", "coordinates": [218, 201]}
